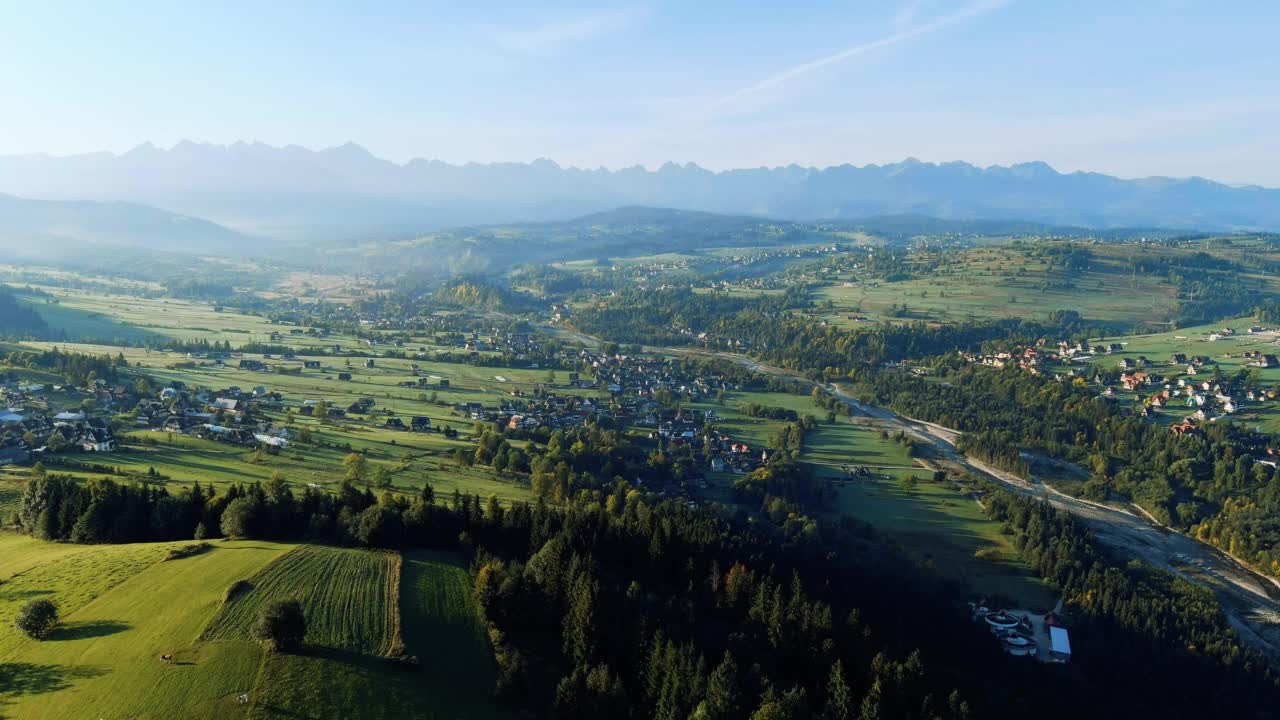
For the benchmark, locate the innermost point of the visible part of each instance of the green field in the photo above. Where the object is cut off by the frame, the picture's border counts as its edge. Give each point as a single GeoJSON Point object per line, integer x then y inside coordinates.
{"type": "Point", "coordinates": [940, 526]}
{"type": "Point", "coordinates": [1226, 353]}
{"type": "Point", "coordinates": [1001, 279]}
{"type": "Point", "coordinates": [439, 612]}
{"type": "Point", "coordinates": [440, 627]}
{"type": "Point", "coordinates": [123, 606]}
{"type": "Point", "coordinates": [349, 597]}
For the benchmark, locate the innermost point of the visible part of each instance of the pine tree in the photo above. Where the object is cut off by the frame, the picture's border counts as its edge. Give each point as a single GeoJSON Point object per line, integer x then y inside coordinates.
{"type": "Point", "coordinates": [579, 635]}
{"type": "Point", "coordinates": [723, 699]}
{"type": "Point", "coordinates": [839, 697]}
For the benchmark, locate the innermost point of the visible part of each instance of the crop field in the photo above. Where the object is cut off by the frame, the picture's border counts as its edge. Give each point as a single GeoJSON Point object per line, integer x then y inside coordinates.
{"type": "Point", "coordinates": [103, 661]}
{"type": "Point", "coordinates": [453, 680]}
{"type": "Point", "coordinates": [1007, 280]}
{"type": "Point", "coordinates": [1001, 281]}
{"type": "Point", "coordinates": [349, 597]}
{"type": "Point", "coordinates": [440, 627]}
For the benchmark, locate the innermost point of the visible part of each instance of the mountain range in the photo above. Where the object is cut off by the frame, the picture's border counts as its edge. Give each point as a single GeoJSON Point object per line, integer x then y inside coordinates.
{"type": "Point", "coordinates": [345, 192]}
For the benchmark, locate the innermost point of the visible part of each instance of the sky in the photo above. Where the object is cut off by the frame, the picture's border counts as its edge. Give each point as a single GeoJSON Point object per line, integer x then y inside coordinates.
{"type": "Point", "coordinates": [1131, 89]}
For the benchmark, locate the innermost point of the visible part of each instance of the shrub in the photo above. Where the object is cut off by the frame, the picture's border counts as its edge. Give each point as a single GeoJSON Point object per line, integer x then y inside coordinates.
{"type": "Point", "coordinates": [187, 551]}
{"type": "Point", "coordinates": [37, 618]}
{"type": "Point", "coordinates": [281, 625]}
{"type": "Point", "coordinates": [235, 588]}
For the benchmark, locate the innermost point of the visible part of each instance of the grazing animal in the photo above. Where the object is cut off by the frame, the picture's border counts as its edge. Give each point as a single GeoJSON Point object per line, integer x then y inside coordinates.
{"type": "Point", "coordinates": [243, 698]}
{"type": "Point", "coordinates": [166, 659]}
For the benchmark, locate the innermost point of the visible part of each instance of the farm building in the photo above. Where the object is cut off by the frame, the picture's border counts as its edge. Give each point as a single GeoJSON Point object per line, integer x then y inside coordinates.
{"type": "Point", "coordinates": [1059, 644]}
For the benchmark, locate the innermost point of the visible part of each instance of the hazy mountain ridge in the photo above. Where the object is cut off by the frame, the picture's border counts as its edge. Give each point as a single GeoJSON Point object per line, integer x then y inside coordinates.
{"type": "Point", "coordinates": [346, 192]}
{"type": "Point", "coordinates": [47, 228]}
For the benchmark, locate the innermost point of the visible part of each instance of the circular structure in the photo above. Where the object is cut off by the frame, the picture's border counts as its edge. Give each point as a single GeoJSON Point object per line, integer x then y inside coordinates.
{"type": "Point", "coordinates": [1018, 645]}
{"type": "Point", "coordinates": [1002, 621]}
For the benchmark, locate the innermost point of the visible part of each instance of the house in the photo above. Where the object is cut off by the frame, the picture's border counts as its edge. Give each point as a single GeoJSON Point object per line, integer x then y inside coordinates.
{"type": "Point", "coordinates": [368, 363]}
{"type": "Point", "coordinates": [1185, 427]}
{"type": "Point", "coordinates": [311, 364]}
{"type": "Point", "coordinates": [1266, 361]}
{"type": "Point", "coordinates": [1178, 359]}
{"type": "Point", "coordinates": [395, 423]}
{"type": "Point", "coordinates": [344, 376]}
{"type": "Point", "coordinates": [1132, 381]}
{"type": "Point", "coordinates": [271, 440]}
{"type": "Point", "coordinates": [717, 464]}
{"type": "Point", "coordinates": [420, 423]}
{"type": "Point", "coordinates": [97, 439]}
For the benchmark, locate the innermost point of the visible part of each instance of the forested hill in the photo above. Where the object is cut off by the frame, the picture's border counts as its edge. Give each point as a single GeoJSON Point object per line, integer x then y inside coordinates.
{"type": "Point", "coordinates": [625, 232]}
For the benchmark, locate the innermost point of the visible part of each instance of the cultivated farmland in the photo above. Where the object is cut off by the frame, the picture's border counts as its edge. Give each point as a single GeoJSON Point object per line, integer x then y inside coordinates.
{"type": "Point", "coordinates": [349, 597]}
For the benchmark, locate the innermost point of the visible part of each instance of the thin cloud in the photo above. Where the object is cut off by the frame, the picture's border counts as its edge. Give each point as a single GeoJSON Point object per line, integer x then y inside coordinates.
{"type": "Point", "coordinates": [551, 36]}
{"type": "Point", "coordinates": [781, 78]}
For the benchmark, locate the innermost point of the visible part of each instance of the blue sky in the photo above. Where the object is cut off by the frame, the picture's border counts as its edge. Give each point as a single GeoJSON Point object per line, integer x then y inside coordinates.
{"type": "Point", "coordinates": [1133, 89]}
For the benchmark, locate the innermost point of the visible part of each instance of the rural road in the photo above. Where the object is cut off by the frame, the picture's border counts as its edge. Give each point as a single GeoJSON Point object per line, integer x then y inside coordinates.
{"type": "Point", "coordinates": [1248, 598]}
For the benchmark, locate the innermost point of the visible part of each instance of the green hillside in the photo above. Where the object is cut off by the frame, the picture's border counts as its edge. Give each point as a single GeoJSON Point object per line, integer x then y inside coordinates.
{"type": "Point", "coordinates": [125, 605]}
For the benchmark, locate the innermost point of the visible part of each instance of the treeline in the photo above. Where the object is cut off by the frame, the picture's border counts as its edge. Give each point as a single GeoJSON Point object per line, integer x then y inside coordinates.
{"type": "Point", "coordinates": [1209, 484]}
{"type": "Point", "coordinates": [75, 368]}
{"type": "Point", "coordinates": [476, 294]}
{"type": "Point", "coordinates": [17, 320]}
{"type": "Point", "coordinates": [767, 329]}
{"type": "Point", "coordinates": [613, 606]}
{"type": "Point", "coordinates": [757, 410]}
{"type": "Point", "coordinates": [1133, 610]}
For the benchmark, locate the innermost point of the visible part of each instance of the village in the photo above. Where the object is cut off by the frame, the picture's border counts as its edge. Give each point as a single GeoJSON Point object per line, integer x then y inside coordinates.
{"type": "Point", "coordinates": [1183, 389]}
{"type": "Point", "coordinates": [652, 397]}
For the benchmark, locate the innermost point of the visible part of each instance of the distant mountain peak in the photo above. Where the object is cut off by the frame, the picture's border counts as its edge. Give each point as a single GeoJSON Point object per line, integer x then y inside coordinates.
{"type": "Point", "coordinates": [345, 191]}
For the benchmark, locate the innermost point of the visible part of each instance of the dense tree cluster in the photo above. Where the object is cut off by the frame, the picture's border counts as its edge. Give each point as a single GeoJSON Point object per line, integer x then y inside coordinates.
{"type": "Point", "coordinates": [73, 367]}
{"type": "Point", "coordinates": [18, 320]}
{"type": "Point", "coordinates": [1209, 484]}
{"type": "Point", "coordinates": [1134, 610]}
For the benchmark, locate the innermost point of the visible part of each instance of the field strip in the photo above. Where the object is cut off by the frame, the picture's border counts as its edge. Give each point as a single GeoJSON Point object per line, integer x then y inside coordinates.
{"type": "Point", "coordinates": [348, 596]}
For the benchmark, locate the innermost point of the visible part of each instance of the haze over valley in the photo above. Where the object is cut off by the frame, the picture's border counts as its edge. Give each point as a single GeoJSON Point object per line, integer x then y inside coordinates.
{"type": "Point", "coordinates": [622, 361]}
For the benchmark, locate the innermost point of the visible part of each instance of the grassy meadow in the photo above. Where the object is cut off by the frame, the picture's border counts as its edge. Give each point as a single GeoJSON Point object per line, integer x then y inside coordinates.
{"type": "Point", "coordinates": [939, 524]}
{"type": "Point", "coordinates": [122, 606]}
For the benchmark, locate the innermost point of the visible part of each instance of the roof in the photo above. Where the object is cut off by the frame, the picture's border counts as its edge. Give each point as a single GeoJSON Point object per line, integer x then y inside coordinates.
{"type": "Point", "coordinates": [1058, 641]}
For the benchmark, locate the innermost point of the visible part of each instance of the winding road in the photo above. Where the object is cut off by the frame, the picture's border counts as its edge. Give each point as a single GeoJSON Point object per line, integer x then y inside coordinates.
{"type": "Point", "coordinates": [1250, 600]}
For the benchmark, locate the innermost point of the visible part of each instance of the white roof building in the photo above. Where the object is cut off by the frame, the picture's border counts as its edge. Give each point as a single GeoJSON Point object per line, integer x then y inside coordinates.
{"type": "Point", "coordinates": [1059, 643]}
